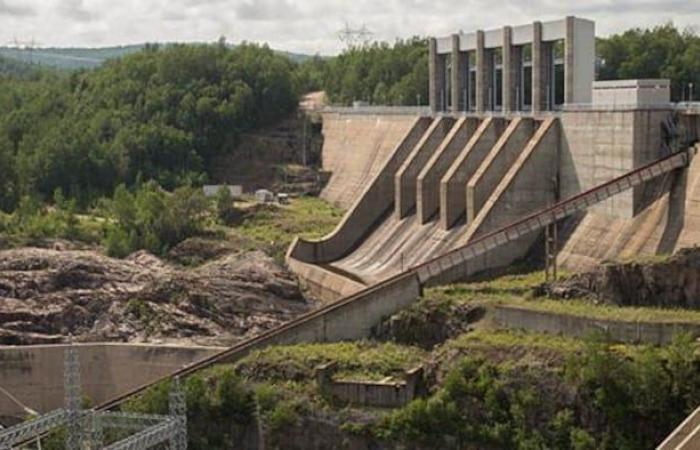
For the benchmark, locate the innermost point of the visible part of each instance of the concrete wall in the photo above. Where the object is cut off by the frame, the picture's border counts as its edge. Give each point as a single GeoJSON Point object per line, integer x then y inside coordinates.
{"type": "Point", "coordinates": [322, 283]}
{"type": "Point", "coordinates": [406, 177]}
{"type": "Point", "coordinates": [383, 394]}
{"type": "Point", "coordinates": [34, 374]}
{"type": "Point", "coordinates": [636, 93]}
{"type": "Point", "coordinates": [669, 223]}
{"type": "Point", "coordinates": [355, 148]}
{"type": "Point", "coordinates": [601, 144]}
{"type": "Point", "coordinates": [457, 266]}
{"type": "Point", "coordinates": [349, 319]}
{"type": "Point", "coordinates": [428, 187]}
{"type": "Point", "coordinates": [572, 326]}
{"type": "Point", "coordinates": [686, 436]}
{"type": "Point", "coordinates": [511, 143]}
{"type": "Point", "coordinates": [453, 184]}
{"type": "Point", "coordinates": [370, 205]}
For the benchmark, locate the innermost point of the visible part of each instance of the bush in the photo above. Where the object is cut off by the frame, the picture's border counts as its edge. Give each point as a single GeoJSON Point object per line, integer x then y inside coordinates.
{"type": "Point", "coordinates": [225, 209]}
{"type": "Point", "coordinates": [621, 400]}
{"type": "Point", "coordinates": [217, 403]}
{"type": "Point", "coordinates": [35, 220]}
{"type": "Point", "coordinates": [153, 219]}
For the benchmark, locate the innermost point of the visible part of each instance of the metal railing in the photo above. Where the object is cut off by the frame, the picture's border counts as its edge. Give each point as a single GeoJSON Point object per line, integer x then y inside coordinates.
{"type": "Point", "coordinates": [550, 215]}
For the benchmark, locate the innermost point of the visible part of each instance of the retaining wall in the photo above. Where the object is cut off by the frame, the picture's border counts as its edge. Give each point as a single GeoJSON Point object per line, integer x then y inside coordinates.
{"type": "Point", "coordinates": [572, 326]}
{"type": "Point", "coordinates": [322, 283]}
{"type": "Point", "coordinates": [386, 394]}
{"type": "Point", "coordinates": [34, 374]}
{"type": "Point", "coordinates": [349, 319]}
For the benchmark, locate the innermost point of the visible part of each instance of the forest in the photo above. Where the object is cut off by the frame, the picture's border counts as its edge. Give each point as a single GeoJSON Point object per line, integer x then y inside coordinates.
{"type": "Point", "coordinates": [398, 75]}
{"type": "Point", "coordinates": [153, 120]}
{"type": "Point", "coordinates": [159, 114]}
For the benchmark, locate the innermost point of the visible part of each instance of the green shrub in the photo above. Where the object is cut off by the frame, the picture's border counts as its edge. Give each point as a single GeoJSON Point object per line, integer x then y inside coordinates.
{"type": "Point", "coordinates": [225, 209]}
{"type": "Point", "coordinates": [35, 220]}
{"type": "Point", "coordinates": [623, 398]}
{"type": "Point", "coordinates": [217, 404]}
{"type": "Point", "coordinates": [153, 219]}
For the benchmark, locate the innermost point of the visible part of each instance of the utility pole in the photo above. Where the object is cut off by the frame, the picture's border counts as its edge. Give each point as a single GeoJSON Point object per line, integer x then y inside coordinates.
{"type": "Point", "coordinates": [550, 249]}
{"type": "Point", "coordinates": [303, 138]}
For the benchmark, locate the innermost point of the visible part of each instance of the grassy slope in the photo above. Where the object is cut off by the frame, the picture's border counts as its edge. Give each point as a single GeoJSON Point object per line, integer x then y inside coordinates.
{"type": "Point", "coordinates": [516, 290]}
{"type": "Point", "coordinates": [274, 227]}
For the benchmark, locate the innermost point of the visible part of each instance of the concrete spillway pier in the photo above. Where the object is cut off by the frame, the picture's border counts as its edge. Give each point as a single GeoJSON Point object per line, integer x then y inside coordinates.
{"type": "Point", "coordinates": [450, 180]}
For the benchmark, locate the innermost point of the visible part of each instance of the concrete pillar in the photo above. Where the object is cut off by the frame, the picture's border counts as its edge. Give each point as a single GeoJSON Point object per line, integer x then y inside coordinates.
{"type": "Point", "coordinates": [406, 178]}
{"type": "Point", "coordinates": [538, 93]}
{"type": "Point", "coordinates": [569, 61]}
{"type": "Point", "coordinates": [436, 74]}
{"type": "Point", "coordinates": [497, 163]}
{"type": "Point", "coordinates": [481, 73]}
{"type": "Point", "coordinates": [517, 71]}
{"type": "Point", "coordinates": [459, 76]}
{"type": "Point", "coordinates": [508, 78]}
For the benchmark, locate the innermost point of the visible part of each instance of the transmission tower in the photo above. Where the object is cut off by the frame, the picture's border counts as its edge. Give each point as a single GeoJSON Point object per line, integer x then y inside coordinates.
{"type": "Point", "coordinates": [178, 410]}
{"type": "Point", "coordinates": [73, 396]}
{"type": "Point", "coordinates": [29, 46]}
{"type": "Point", "coordinates": [355, 37]}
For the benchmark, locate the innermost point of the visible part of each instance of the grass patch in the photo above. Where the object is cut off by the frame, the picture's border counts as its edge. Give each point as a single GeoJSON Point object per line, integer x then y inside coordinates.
{"type": "Point", "coordinates": [518, 290]}
{"type": "Point", "coordinates": [514, 338]}
{"type": "Point", "coordinates": [357, 360]}
{"type": "Point", "coordinates": [274, 227]}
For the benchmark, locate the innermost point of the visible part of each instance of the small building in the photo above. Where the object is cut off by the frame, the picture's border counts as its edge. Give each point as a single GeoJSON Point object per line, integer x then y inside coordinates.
{"type": "Point", "coordinates": [210, 190]}
{"type": "Point", "coordinates": [632, 93]}
{"type": "Point", "coordinates": [387, 393]}
{"type": "Point", "coordinates": [264, 196]}
{"type": "Point", "coordinates": [283, 199]}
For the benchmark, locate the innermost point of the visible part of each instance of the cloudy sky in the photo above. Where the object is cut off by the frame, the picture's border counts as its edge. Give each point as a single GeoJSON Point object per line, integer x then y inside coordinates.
{"type": "Point", "coordinates": [308, 26]}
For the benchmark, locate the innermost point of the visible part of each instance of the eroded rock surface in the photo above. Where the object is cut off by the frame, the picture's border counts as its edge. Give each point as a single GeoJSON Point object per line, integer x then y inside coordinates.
{"type": "Point", "coordinates": [673, 282]}
{"type": "Point", "coordinates": [47, 296]}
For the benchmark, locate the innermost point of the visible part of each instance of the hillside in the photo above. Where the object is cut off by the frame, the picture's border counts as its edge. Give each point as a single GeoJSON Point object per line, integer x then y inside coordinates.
{"type": "Point", "coordinates": [16, 69]}
{"type": "Point", "coordinates": [75, 58]}
{"type": "Point", "coordinates": [487, 381]}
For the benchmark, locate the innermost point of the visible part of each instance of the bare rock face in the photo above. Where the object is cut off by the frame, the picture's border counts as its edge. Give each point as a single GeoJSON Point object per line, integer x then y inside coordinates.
{"type": "Point", "coordinates": [673, 283]}
{"type": "Point", "coordinates": [51, 296]}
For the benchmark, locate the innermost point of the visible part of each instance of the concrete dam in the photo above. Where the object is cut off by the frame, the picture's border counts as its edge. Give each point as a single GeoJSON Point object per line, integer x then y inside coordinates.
{"type": "Point", "coordinates": [512, 145]}
{"type": "Point", "coordinates": [451, 179]}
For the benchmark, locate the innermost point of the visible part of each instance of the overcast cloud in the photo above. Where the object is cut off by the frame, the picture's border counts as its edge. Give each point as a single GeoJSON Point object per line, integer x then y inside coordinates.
{"type": "Point", "coordinates": [308, 26]}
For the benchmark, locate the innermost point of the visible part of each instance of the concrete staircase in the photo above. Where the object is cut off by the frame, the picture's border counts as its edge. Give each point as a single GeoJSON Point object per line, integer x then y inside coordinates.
{"type": "Point", "coordinates": [686, 436]}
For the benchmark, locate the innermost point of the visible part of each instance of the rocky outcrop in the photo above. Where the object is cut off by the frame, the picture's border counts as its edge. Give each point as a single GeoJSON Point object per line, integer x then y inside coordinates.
{"type": "Point", "coordinates": [428, 324]}
{"type": "Point", "coordinates": [50, 296]}
{"type": "Point", "coordinates": [672, 282]}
